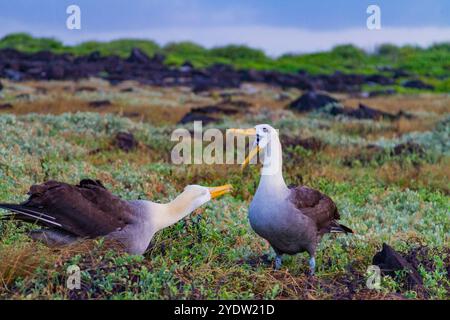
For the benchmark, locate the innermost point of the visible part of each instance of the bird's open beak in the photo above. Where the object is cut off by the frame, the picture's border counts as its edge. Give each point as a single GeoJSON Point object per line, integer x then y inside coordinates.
{"type": "Point", "coordinates": [254, 151]}
{"type": "Point", "coordinates": [218, 191]}
{"type": "Point", "coordinates": [250, 156]}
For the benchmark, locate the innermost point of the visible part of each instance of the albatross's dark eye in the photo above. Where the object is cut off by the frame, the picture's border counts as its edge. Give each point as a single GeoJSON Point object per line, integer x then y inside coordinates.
{"type": "Point", "coordinates": [265, 129]}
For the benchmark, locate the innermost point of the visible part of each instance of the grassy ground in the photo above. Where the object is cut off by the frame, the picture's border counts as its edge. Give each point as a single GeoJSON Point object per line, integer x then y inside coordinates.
{"type": "Point", "coordinates": [401, 199]}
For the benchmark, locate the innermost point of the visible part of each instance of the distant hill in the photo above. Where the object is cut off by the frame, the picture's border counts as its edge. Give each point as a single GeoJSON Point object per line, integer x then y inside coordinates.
{"type": "Point", "coordinates": [432, 63]}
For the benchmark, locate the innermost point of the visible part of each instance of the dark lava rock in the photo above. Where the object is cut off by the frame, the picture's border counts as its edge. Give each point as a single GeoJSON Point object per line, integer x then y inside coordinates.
{"type": "Point", "coordinates": [406, 115]}
{"type": "Point", "coordinates": [310, 143]}
{"type": "Point", "coordinates": [366, 112]}
{"type": "Point", "coordinates": [284, 80]}
{"type": "Point", "coordinates": [192, 116]}
{"type": "Point", "coordinates": [55, 71]}
{"type": "Point", "coordinates": [137, 55]}
{"type": "Point", "coordinates": [408, 148]}
{"type": "Point", "coordinates": [94, 56]}
{"type": "Point", "coordinates": [100, 103]}
{"type": "Point", "coordinates": [125, 141]}
{"type": "Point", "coordinates": [311, 101]}
{"type": "Point", "coordinates": [217, 76]}
{"type": "Point", "coordinates": [19, 66]}
{"type": "Point", "coordinates": [13, 75]}
{"type": "Point", "coordinates": [364, 156]}
{"type": "Point", "coordinates": [417, 84]}
{"type": "Point", "coordinates": [423, 256]}
{"type": "Point", "coordinates": [363, 112]}
{"type": "Point", "coordinates": [215, 109]}
{"type": "Point", "coordinates": [391, 261]}
{"type": "Point", "coordinates": [6, 106]}
{"type": "Point", "coordinates": [400, 73]}
{"type": "Point", "coordinates": [158, 59]}
{"type": "Point", "coordinates": [341, 82]}
{"type": "Point", "coordinates": [377, 154]}
{"type": "Point", "coordinates": [131, 114]}
{"type": "Point", "coordinates": [187, 66]}
{"type": "Point", "coordinates": [379, 79]}
{"type": "Point", "coordinates": [1, 86]}
{"type": "Point", "coordinates": [201, 86]}
{"type": "Point", "coordinates": [241, 104]}
{"type": "Point", "coordinates": [130, 89]}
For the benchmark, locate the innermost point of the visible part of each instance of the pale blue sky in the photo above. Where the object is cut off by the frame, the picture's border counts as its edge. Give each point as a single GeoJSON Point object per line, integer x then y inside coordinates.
{"type": "Point", "coordinates": [274, 25]}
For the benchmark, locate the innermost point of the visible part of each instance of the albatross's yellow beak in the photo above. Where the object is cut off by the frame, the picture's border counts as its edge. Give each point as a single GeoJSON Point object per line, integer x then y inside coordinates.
{"type": "Point", "coordinates": [244, 132]}
{"type": "Point", "coordinates": [250, 156]}
{"type": "Point", "coordinates": [253, 152]}
{"type": "Point", "coordinates": [218, 191]}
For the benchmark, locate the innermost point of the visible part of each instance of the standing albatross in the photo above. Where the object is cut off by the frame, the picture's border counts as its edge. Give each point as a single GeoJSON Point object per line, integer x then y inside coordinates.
{"type": "Point", "coordinates": [292, 220]}
{"type": "Point", "coordinates": [89, 210]}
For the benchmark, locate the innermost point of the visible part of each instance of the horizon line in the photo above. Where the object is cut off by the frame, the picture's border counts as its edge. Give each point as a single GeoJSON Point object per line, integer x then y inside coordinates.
{"type": "Point", "coordinates": [273, 41]}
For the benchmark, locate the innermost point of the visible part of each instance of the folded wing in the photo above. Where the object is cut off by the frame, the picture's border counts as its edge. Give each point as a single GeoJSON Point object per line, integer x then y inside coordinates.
{"type": "Point", "coordinates": [85, 210]}
{"type": "Point", "coordinates": [319, 207]}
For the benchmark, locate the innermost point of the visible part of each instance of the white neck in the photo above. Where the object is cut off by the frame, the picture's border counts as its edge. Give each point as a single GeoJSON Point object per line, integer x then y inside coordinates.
{"type": "Point", "coordinates": [271, 173]}
{"type": "Point", "coordinates": [167, 214]}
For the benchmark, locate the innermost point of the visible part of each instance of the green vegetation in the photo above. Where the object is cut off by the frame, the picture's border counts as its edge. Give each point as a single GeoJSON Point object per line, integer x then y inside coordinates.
{"type": "Point", "coordinates": [431, 64]}
{"type": "Point", "coordinates": [26, 43]}
{"type": "Point", "coordinates": [214, 253]}
{"type": "Point", "coordinates": [389, 179]}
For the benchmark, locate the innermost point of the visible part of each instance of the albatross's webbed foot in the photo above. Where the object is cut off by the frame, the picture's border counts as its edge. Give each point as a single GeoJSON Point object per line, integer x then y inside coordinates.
{"type": "Point", "coordinates": [278, 262]}
{"type": "Point", "coordinates": [312, 266]}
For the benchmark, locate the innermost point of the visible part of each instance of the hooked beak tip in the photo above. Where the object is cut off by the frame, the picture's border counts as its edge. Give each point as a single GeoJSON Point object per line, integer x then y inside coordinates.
{"type": "Point", "coordinates": [221, 190]}
{"type": "Point", "coordinates": [245, 132]}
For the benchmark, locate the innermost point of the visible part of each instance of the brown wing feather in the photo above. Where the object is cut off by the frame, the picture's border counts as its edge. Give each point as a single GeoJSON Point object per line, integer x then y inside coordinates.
{"type": "Point", "coordinates": [85, 210]}
{"type": "Point", "coordinates": [319, 207]}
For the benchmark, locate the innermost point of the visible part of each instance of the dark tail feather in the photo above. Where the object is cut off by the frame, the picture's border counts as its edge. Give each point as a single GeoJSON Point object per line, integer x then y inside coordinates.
{"type": "Point", "coordinates": [337, 228]}
{"type": "Point", "coordinates": [27, 214]}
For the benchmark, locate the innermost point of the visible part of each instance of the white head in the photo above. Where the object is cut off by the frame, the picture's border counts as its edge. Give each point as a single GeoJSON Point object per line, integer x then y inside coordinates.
{"type": "Point", "coordinates": [267, 140]}
{"type": "Point", "coordinates": [199, 195]}
{"type": "Point", "coordinates": [264, 135]}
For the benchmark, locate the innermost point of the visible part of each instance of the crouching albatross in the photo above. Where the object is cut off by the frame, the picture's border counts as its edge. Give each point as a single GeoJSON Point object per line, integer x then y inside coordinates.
{"type": "Point", "coordinates": [88, 210]}
{"type": "Point", "coordinates": [293, 219]}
